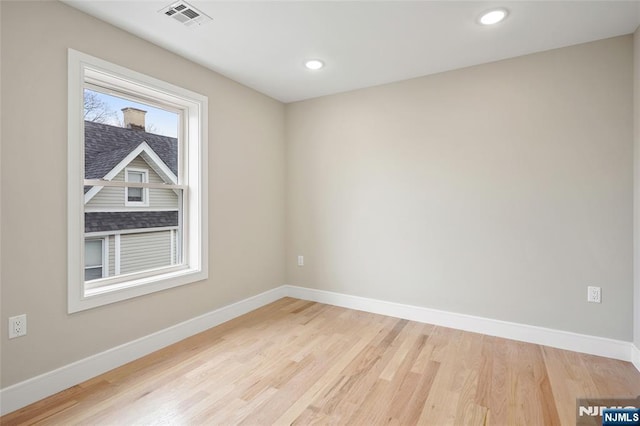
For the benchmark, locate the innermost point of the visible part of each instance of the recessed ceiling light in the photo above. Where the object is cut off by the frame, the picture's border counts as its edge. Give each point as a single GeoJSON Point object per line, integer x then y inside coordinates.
{"type": "Point", "coordinates": [493, 16]}
{"type": "Point", "coordinates": [314, 64]}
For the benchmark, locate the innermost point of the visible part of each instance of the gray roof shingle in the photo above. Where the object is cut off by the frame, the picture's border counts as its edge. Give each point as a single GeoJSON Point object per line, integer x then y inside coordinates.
{"type": "Point", "coordinates": [105, 146]}
{"type": "Point", "coordinates": [119, 221]}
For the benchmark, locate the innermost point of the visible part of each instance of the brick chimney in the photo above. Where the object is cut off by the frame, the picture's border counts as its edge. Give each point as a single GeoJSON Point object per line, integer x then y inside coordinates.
{"type": "Point", "coordinates": [134, 118]}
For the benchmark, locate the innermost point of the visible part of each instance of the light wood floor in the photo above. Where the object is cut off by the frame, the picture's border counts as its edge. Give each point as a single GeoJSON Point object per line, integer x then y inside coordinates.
{"type": "Point", "coordinates": [298, 362]}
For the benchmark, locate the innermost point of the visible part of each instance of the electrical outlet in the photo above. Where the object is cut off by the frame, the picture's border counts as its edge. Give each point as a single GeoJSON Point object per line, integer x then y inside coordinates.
{"type": "Point", "coordinates": [17, 326]}
{"type": "Point", "coordinates": [593, 294]}
{"type": "Point", "coordinates": [300, 260]}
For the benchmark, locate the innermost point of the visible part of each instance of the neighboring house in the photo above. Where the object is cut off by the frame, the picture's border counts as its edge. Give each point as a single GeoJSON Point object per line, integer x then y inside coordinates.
{"type": "Point", "coordinates": [129, 229]}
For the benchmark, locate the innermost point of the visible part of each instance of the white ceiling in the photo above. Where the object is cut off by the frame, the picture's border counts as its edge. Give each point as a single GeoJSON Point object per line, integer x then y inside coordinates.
{"type": "Point", "coordinates": [263, 44]}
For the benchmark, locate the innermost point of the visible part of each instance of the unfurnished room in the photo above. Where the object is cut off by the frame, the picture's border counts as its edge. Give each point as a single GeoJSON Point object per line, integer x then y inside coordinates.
{"type": "Point", "coordinates": [319, 212]}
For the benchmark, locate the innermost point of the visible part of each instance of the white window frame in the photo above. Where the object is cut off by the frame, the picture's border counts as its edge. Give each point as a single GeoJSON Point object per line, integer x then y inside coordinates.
{"type": "Point", "coordinates": [145, 191]}
{"type": "Point", "coordinates": [104, 244]}
{"type": "Point", "coordinates": [86, 70]}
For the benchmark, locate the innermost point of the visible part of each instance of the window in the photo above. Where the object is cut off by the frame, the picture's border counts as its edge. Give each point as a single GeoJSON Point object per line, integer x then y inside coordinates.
{"type": "Point", "coordinates": [137, 196]}
{"type": "Point", "coordinates": [94, 259]}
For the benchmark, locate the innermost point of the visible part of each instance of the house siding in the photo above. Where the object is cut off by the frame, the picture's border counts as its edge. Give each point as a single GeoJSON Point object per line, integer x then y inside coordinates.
{"type": "Point", "coordinates": [113, 198]}
{"type": "Point", "coordinates": [139, 252]}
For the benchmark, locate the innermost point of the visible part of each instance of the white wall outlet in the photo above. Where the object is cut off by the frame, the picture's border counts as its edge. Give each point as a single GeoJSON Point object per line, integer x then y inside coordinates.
{"type": "Point", "coordinates": [300, 260]}
{"type": "Point", "coordinates": [17, 326]}
{"type": "Point", "coordinates": [593, 294]}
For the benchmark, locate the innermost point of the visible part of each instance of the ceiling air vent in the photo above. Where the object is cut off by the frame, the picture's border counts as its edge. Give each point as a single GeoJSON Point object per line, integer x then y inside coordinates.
{"type": "Point", "coordinates": [186, 14]}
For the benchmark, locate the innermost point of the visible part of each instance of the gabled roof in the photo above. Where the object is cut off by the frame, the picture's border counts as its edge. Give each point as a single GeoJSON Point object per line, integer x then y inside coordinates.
{"type": "Point", "coordinates": [105, 146]}
{"type": "Point", "coordinates": [107, 151]}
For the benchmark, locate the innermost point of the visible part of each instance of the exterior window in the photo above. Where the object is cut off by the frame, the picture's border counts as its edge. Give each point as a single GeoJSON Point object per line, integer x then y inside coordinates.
{"type": "Point", "coordinates": [137, 147]}
{"type": "Point", "coordinates": [93, 259]}
{"type": "Point", "coordinates": [135, 196]}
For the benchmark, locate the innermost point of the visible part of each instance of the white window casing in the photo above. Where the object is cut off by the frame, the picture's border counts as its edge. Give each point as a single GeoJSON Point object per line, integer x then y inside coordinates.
{"type": "Point", "coordinates": [190, 184]}
{"type": "Point", "coordinates": [116, 254]}
{"type": "Point", "coordinates": [136, 175]}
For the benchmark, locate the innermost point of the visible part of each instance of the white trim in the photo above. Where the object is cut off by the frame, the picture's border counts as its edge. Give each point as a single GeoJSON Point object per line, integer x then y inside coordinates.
{"type": "Point", "coordinates": [24, 393]}
{"type": "Point", "coordinates": [635, 356]}
{"type": "Point", "coordinates": [123, 184]}
{"type": "Point", "coordinates": [145, 191]}
{"type": "Point", "coordinates": [75, 176]}
{"type": "Point", "coordinates": [130, 231]}
{"type": "Point", "coordinates": [109, 287]}
{"type": "Point", "coordinates": [143, 148]}
{"type": "Point", "coordinates": [583, 343]}
{"type": "Point", "coordinates": [116, 254]}
{"type": "Point", "coordinates": [172, 236]}
{"type": "Point", "coordinates": [91, 193]}
{"type": "Point", "coordinates": [105, 256]}
{"type": "Point", "coordinates": [192, 160]}
{"type": "Point", "coordinates": [31, 390]}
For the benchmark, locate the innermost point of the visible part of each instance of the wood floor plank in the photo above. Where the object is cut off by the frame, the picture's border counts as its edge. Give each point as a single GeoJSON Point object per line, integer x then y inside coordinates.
{"type": "Point", "coordinates": [300, 362]}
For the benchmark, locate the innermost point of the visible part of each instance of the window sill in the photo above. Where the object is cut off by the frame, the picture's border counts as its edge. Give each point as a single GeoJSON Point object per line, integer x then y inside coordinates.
{"type": "Point", "coordinates": [110, 293]}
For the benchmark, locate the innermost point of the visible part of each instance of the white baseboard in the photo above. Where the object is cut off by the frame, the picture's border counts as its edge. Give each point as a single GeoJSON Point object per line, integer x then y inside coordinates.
{"type": "Point", "coordinates": [24, 393]}
{"type": "Point", "coordinates": [583, 343]}
{"type": "Point", "coordinates": [635, 356]}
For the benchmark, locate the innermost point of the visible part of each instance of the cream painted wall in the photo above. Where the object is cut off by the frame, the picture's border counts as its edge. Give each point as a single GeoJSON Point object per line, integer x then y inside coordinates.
{"type": "Point", "coordinates": [246, 185]}
{"type": "Point", "coordinates": [636, 117]}
{"type": "Point", "coordinates": [501, 190]}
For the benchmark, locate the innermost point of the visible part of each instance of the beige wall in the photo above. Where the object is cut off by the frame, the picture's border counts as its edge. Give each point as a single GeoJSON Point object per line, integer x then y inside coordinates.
{"type": "Point", "coordinates": [636, 116]}
{"type": "Point", "coordinates": [501, 190]}
{"type": "Point", "coordinates": [246, 185]}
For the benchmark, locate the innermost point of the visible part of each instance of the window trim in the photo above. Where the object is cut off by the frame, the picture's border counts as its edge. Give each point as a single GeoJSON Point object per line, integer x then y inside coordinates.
{"type": "Point", "coordinates": [104, 246]}
{"type": "Point", "coordinates": [145, 191]}
{"type": "Point", "coordinates": [86, 70]}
